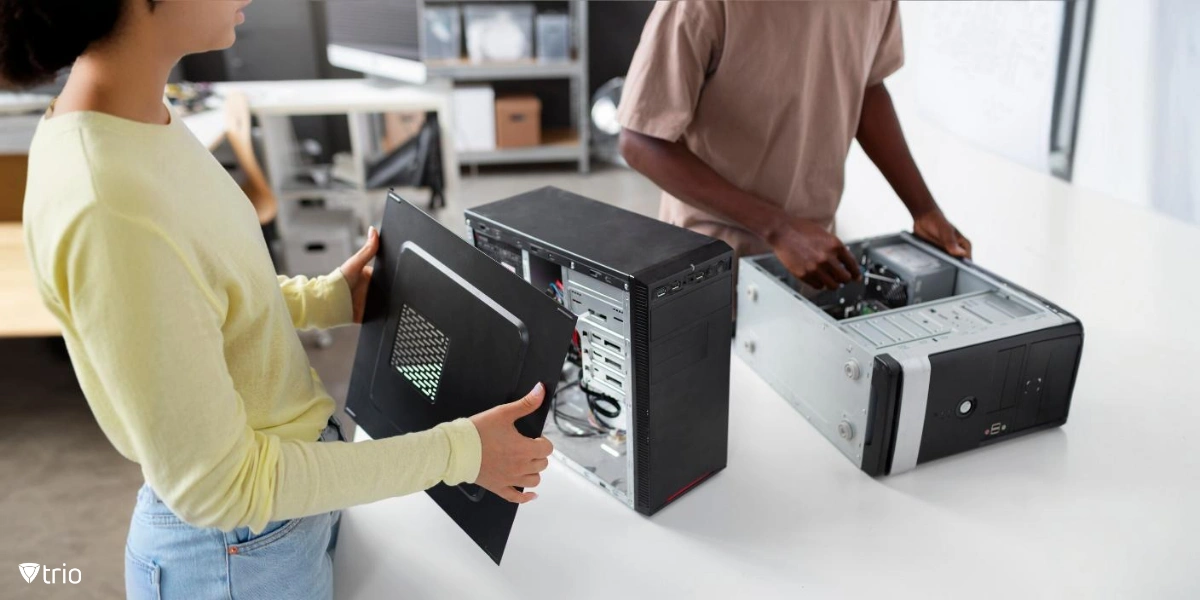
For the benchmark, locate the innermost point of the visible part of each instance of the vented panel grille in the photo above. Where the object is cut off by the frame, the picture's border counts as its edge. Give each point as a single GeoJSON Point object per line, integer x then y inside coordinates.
{"type": "Point", "coordinates": [419, 352]}
{"type": "Point", "coordinates": [640, 296]}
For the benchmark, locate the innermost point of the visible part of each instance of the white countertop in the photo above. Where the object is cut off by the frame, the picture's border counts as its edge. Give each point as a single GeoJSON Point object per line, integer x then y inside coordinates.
{"type": "Point", "coordinates": [336, 96]}
{"type": "Point", "coordinates": [1106, 507]}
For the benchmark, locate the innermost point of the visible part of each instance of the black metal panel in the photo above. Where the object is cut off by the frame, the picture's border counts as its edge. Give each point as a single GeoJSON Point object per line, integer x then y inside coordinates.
{"type": "Point", "coordinates": [689, 351]}
{"type": "Point", "coordinates": [640, 325]}
{"type": "Point", "coordinates": [495, 334]}
{"type": "Point", "coordinates": [1017, 384]}
{"type": "Point", "coordinates": [881, 423]}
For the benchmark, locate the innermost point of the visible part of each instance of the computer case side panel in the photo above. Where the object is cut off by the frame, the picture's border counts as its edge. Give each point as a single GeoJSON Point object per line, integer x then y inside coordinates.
{"type": "Point", "coordinates": [683, 421]}
{"type": "Point", "coordinates": [1014, 386]}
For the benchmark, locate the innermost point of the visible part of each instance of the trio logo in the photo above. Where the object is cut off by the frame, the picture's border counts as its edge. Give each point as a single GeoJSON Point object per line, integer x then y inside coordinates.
{"type": "Point", "coordinates": [30, 572]}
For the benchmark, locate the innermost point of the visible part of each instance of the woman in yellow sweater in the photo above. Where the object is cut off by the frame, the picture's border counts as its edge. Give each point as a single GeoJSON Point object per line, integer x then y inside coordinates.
{"type": "Point", "coordinates": [184, 340]}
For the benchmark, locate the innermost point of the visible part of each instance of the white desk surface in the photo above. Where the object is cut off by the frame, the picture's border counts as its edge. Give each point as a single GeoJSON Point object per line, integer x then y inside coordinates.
{"type": "Point", "coordinates": [336, 96]}
{"type": "Point", "coordinates": [1106, 507]}
{"type": "Point", "coordinates": [208, 127]}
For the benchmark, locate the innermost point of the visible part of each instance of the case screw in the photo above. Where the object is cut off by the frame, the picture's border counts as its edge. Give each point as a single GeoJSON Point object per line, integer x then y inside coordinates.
{"type": "Point", "coordinates": [752, 293]}
{"type": "Point", "coordinates": [846, 430]}
{"type": "Point", "coordinates": [851, 369]}
{"type": "Point", "coordinates": [749, 346]}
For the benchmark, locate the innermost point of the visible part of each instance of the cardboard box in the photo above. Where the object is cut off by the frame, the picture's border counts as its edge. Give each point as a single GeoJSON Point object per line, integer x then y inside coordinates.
{"type": "Point", "coordinates": [12, 186]}
{"type": "Point", "coordinates": [518, 121]}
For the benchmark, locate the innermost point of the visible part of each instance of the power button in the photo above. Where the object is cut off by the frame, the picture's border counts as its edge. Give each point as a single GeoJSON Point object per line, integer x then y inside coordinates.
{"type": "Point", "coordinates": [966, 406]}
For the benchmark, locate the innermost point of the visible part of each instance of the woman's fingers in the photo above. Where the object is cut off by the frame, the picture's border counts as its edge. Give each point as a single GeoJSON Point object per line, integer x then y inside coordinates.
{"type": "Point", "coordinates": [512, 495]}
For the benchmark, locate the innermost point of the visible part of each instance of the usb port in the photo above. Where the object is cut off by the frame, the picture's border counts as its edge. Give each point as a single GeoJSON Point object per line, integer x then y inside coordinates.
{"type": "Point", "coordinates": [675, 285]}
{"type": "Point", "coordinates": [995, 428]}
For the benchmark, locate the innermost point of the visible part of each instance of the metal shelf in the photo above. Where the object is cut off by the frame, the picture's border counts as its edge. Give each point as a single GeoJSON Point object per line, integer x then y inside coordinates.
{"type": "Point", "coordinates": [463, 70]}
{"type": "Point", "coordinates": [558, 146]}
{"type": "Point", "coordinates": [577, 148]}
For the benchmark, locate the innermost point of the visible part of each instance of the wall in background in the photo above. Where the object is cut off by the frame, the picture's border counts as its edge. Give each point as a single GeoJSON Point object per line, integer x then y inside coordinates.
{"type": "Point", "coordinates": [614, 30]}
{"type": "Point", "coordinates": [1139, 136]}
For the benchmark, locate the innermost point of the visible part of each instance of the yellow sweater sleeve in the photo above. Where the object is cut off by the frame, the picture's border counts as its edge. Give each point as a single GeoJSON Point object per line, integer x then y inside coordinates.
{"type": "Point", "coordinates": [318, 303]}
{"type": "Point", "coordinates": [152, 330]}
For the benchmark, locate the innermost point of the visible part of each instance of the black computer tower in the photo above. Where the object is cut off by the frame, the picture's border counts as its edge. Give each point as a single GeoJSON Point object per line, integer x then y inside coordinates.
{"type": "Point", "coordinates": [643, 409]}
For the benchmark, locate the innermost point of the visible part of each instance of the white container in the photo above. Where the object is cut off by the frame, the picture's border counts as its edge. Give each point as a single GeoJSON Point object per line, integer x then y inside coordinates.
{"type": "Point", "coordinates": [474, 118]}
{"type": "Point", "coordinates": [499, 32]}
{"type": "Point", "coordinates": [317, 240]}
{"type": "Point", "coordinates": [553, 38]}
{"type": "Point", "coordinates": [443, 33]}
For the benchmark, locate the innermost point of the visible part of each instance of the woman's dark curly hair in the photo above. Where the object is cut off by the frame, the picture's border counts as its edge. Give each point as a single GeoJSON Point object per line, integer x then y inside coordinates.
{"type": "Point", "coordinates": [39, 38]}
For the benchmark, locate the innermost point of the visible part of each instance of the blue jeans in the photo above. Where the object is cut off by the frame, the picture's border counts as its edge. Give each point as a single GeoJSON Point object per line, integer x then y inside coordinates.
{"type": "Point", "coordinates": [165, 558]}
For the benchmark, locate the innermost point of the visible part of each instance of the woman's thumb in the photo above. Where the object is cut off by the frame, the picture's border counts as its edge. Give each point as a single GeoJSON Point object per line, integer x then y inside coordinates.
{"type": "Point", "coordinates": [530, 403]}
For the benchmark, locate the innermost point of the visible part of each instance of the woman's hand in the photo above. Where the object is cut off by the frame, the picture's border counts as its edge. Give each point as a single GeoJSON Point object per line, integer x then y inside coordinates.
{"type": "Point", "coordinates": [357, 272]}
{"type": "Point", "coordinates": [511, 460]}
{"type": "Point", "coordinates": [933, 226]}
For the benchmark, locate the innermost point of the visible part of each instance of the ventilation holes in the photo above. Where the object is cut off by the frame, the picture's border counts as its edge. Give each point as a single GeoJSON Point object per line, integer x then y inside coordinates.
{"type": "Point", "coordinates": [419, 352]}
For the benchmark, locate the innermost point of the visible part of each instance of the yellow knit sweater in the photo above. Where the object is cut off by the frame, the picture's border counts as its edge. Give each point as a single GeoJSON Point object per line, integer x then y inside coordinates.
{"type": "Point", "coordinates": [184, 340]}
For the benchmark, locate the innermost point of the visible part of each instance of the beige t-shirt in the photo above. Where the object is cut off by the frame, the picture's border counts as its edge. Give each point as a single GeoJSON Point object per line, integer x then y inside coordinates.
{"type": "Point", "coordinates": [768, 94]}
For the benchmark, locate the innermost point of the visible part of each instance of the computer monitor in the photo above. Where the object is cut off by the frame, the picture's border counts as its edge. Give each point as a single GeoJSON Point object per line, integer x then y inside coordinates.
{"type": "Point", "coordinates": [379, 38]}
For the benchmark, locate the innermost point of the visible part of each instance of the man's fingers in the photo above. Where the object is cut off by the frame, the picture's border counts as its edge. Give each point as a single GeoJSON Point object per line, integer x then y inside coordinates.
{"type": "Point", "coordinates": [528, 481]}
{"type": "Point", "coordinates": [528, 404]}
{"type": "Point", "coordinates": [826, 281]}
{"type": "Point", "coordinates": [813, 281]}
{"type": "Point", "coordinates": [837, 272]}
{"type": "Point", "coordinates": [965, 243]}
{"type": "Point", "coordinates": [540, 464]}
{"type": "Point", "coordinates": [849, 262]}
{"type": "Point", "coordinates": [512, 495]}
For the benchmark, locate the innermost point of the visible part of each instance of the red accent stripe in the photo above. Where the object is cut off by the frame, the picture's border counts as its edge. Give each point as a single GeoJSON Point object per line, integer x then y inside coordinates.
{"type": "Point", "coordinates": [687, 487]}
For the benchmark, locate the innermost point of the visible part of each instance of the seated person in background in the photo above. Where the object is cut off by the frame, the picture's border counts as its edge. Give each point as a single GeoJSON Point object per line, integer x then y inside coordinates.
{"type": "Point", "coordinates": [743, 113]}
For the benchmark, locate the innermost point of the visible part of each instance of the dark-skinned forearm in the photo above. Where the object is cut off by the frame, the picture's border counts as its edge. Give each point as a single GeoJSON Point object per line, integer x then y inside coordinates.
{"type": "Point", "coordinates": [881, 137]}
{"type": "Point", "coordinates": [678, 171]}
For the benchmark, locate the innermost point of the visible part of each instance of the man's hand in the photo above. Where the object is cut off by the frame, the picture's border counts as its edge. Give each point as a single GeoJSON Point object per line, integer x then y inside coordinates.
{"type": "Point", "coordinates": [511, 460]}
{"type": "Point", "coordinates": [932, 226]}
{"type": "Point", "coordinates": [814, 255]}
{"type": "Point", "coordinates": [357, 271]}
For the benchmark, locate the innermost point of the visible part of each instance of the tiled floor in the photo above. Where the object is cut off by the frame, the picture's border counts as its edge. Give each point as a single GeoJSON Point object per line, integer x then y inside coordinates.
{"type": "Point", "coordinates": [66, 495]}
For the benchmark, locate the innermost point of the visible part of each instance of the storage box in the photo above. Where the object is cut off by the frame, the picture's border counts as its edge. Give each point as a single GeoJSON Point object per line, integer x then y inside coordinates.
{"type": "Point", "coordinates": [443, 33]}
{"type": "Point", "coordinates": [12, 186]}
{"type": "Point", "coordinates": [518, 121]}
{"type": "Point", "coordinates": [553, 38]}
{"type": "Point", "coordinates": [499, 32]}
{"type": "Point", "coordinates": [474, 118]}
{"type": "Point", "coordinates": [317, 240]}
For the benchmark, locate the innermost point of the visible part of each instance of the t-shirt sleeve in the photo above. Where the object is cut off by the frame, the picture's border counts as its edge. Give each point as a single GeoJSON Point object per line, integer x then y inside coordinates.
{"type": "Point", "coordinates": [890, 55]}
{"type": "Point", "coordinates": [680, 47]}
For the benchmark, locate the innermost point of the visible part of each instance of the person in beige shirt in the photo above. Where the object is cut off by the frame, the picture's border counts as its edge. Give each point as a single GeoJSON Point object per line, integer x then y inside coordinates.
{"type": "Point", "coordinates": [743, 113]}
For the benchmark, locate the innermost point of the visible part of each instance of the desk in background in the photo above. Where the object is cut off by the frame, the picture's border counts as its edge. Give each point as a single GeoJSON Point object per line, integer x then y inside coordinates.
{"type": "Point", "coordinates": [22, 313]}
{"type": "Point", "coordinates": [1104, 507]}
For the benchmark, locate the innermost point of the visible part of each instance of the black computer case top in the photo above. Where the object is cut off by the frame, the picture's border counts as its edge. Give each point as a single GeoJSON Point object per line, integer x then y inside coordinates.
{"type": "Point", "coordinates": [447, 333]}
{"type": "Point", "coordinates": [619, 243]}
{"type": "Point", "coordinates": [644, 406]}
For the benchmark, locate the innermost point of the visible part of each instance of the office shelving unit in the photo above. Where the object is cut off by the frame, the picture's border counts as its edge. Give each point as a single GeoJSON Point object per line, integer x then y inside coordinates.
{"type": "Point", "coordinates": [558, 145]}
